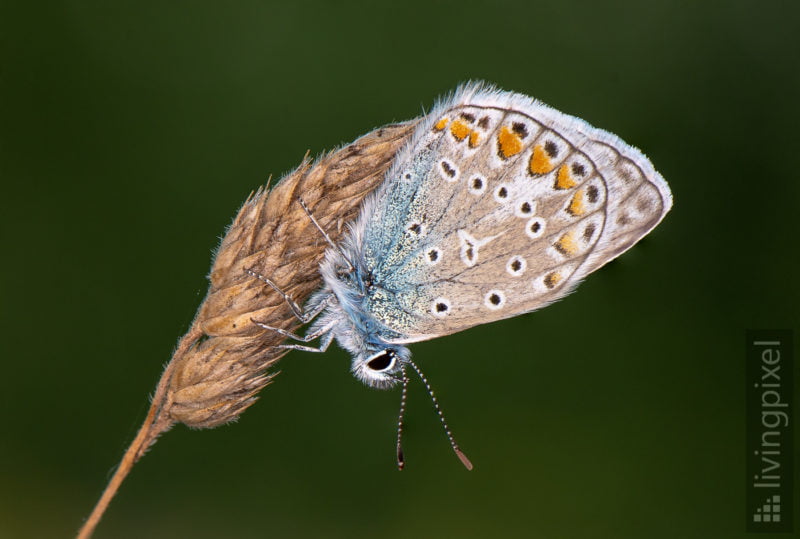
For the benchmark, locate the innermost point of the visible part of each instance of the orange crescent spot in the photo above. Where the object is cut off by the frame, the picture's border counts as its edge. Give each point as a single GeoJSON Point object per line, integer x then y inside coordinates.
{"type": "Point", "coordinates": [441, 124]}
{"type": "Point", "coordinates": [508, 142]}
{"type": "Point", "coordinates": [540, 161]}
{"type": "Point", "coordinates": [552, 279]}
{"type": "Point", "coordinates": [576, 207]}
{"type": "Point", "coordinates": [564, 179]}
{"type": "Point", "coordinates": [474, 139]}
{"type": "Point", "coordinates": [566, 245]}
{"type": "Point", "coordinates": [459, 129]}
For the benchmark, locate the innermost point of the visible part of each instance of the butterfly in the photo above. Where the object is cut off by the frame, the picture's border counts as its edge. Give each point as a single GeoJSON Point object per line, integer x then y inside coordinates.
{"type": "Point", "coordinates": [497, 206]}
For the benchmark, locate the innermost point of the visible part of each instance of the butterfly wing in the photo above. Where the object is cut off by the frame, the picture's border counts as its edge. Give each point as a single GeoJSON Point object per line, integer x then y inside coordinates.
{"type": "Point", "coordinates": [498, 206]}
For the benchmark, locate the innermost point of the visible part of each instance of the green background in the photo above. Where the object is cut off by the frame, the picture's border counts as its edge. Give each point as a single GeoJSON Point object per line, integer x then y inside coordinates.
{"type": "Point", "coordinates": [131, 133]}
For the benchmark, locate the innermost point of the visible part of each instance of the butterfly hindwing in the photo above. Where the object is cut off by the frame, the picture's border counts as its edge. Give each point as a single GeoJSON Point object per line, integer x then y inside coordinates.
{"type": "Point", "coordinates": [499, 206]}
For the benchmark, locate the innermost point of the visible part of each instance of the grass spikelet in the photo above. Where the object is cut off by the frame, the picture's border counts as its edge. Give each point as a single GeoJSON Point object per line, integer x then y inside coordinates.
{"type": "Point", "coordinates": [224, 360]}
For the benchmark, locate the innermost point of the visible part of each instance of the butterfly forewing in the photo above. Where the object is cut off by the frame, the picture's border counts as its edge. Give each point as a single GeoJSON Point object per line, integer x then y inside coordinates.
{"type": "Point", "coordinates": [499, 206]}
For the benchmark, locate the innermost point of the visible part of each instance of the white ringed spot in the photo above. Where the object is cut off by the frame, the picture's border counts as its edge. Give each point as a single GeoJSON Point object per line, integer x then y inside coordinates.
{"type": "Point", "coordinates": [535, 228]}
{"type": "Point", "coordinates": [448, 171]}
{"type": "Point", "coordinates": [416, 228]}
{"type": "Point", "coordinates": [525, 208]}
{"type": "Point", "coordinates": [502, 193]}
{"type": "Point", "coordinates": [494, 300]}
{"type": "Point", "coordinates": [477, 185]}
{"type": "Point", "coordinates": [433, 256]}
{"type": "Point", "coordinates": [516, 266]}
{"type": "Point", "coordinates": [440, 307]}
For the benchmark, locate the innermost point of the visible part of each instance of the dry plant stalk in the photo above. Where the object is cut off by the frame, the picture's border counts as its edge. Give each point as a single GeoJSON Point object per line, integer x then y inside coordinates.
{"type": "Point", "coordinates": [222, 362]}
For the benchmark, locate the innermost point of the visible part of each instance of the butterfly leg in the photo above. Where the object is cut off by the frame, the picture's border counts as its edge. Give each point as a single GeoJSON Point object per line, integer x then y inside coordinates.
{"type": "Point", "coordinates": [300, 338]}
{"type": "Point", "coordinates": [298, 312]}
{"type": "Point", "coordinates": [324, 344]}
{"type": "Point", "coordinates": [324, 332]}
{"type": "Point", "coordinates": [325, 235]}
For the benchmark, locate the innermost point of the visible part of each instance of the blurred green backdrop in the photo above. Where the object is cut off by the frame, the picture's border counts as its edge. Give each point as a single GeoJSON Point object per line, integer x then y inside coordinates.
{"type": "Point", "coordinates": [131, 133]}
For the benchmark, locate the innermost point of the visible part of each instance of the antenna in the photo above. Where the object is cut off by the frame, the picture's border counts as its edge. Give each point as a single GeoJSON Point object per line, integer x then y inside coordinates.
{"type": "Point", "coordinates": [400, 462]}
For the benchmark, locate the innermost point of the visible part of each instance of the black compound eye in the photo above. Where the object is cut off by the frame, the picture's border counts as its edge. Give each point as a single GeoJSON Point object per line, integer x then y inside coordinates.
{"type": "Point", "coordinates": [381, 361]}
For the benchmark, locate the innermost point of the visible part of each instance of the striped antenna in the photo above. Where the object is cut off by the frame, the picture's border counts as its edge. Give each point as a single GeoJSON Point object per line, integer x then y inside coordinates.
{"type": "Point", "coordinates": [401, 463]}
{"type": "Point", "coordinates": [460, 454]}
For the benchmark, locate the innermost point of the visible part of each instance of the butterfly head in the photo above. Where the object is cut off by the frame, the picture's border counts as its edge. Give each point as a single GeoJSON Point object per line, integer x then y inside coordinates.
{"type": "Point", "coordinates": [381, 368]}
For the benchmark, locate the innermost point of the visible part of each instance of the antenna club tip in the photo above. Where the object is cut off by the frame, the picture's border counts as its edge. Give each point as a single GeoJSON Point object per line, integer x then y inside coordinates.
{"type": "Point", "coordinates": [463, 458]}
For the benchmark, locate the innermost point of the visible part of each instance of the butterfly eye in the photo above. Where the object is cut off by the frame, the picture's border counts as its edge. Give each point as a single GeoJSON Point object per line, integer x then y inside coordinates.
{"type": "Point", "coordinates": [381, 361]}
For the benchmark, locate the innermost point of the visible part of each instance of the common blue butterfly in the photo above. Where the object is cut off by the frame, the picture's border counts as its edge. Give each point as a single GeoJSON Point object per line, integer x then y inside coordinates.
{"type": "Point", "coordinates": [497, 206]}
